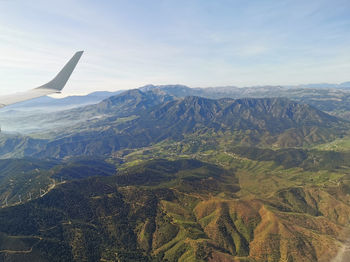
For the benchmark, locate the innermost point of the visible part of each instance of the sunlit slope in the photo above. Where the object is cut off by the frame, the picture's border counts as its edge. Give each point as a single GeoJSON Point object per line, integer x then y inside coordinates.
{"type": "Point", "coordinates": [183, 210]}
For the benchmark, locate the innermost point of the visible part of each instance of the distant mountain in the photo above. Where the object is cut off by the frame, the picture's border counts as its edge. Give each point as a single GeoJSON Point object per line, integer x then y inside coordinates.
{"type": "Point", "coordinates": [126, 104]}
{"type": "Point", "coordinates": [331, 98]}
{"type": "Point", "coordinates": [178, 91]}
{"type": "Point", "coordinates": [272, 114]}
{"type": "Point", "coordinates": [36, 116]}
{"type": "Point", "coordinates": [175, 90]}
{"type": "Point", "coordinates": [345, 84]}
{"type": "Point", "coordinates": [326, 85]}
{"type": "Point", "coordinates": [272, 118]}
{"type": "Point", "coordinates": [249, 91]}
{"type": "Point", "coordinates": [135, 119]}
{"type": "Point", "coordinates": [131, 101]}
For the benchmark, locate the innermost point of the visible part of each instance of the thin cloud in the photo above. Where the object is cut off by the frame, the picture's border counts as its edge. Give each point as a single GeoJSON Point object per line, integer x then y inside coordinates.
{"type": "Point", "coordinates": [222, 43]}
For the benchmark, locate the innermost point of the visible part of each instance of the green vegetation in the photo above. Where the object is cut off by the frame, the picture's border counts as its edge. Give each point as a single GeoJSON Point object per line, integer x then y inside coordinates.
{"type": "Point", "coordinates": [160, 178]}
{"type": "Point", "coordinates": [181, 210]}
{"type": "Point", "coordinates": [340, 144]}
{"type": "Point", "coordinates": [136, 119]}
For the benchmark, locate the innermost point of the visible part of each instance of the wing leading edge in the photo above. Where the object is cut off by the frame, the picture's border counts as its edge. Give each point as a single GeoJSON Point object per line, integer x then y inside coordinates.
{"type": "Point", "coordinates": [54, 86]}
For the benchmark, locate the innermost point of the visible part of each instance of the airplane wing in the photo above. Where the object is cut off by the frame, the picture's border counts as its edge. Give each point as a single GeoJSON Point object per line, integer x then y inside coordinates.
{"type": "Point", "coordinates": [54, 86]}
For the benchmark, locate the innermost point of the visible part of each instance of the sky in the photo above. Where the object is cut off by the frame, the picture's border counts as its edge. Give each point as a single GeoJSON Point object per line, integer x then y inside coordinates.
{"type": "Point", "coordinates": [198, 43]}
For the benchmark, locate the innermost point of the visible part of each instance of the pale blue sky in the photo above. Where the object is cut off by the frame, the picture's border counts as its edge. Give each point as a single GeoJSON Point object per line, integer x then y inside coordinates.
{"type": "Point", "coordinates": [193, 42]}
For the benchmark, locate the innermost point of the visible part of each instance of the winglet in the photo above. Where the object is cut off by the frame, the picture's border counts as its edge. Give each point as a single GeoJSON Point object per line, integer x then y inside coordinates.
{"type": "Point", "coordinates": [62, 77]}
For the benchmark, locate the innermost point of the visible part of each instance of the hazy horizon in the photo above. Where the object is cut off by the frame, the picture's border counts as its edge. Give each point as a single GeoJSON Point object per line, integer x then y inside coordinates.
{"type": "Point", "coordinates": [195, 43]}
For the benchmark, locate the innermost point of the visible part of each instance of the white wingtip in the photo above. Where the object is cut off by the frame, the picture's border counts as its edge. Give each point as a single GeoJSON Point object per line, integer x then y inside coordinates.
{"type": "Point", "coordinates": [58, 83]}
{"type": "Point", "coordinates": [54, 86]}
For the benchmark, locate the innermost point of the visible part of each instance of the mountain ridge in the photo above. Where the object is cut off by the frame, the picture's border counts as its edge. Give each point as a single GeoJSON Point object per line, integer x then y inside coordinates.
{"type": "Point", "coordinates": [137, 119]}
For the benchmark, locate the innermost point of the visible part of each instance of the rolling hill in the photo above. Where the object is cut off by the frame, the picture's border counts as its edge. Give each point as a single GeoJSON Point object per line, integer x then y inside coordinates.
{"type": "Point", "coordinates": [182, 210]}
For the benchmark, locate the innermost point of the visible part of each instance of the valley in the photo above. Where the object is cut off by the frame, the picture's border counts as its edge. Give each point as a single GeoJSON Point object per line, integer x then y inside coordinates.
{"type": "Point", "coordinates": [160, 175]}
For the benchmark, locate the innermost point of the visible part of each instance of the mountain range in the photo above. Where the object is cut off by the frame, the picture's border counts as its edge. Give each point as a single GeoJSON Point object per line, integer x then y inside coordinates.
{"type": "Point", "coordinates": [170, 173]}
{"type": "Point", "coordinates": [43, 114]}
{"type": "Point", "coordinates": [136, 119]}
